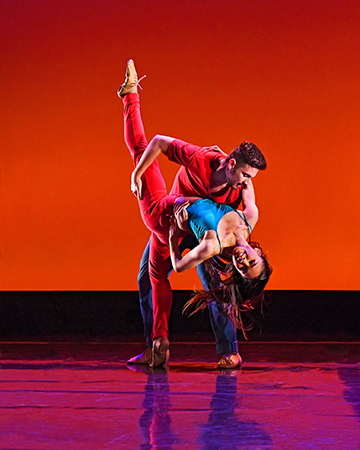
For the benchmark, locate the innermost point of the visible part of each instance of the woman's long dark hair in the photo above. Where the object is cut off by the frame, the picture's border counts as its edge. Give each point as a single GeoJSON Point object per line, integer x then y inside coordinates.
{"type": "Point", "coordinates": [231, 290]}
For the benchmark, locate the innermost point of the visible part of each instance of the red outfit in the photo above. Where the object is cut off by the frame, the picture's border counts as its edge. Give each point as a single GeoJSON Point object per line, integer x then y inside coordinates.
{"type": "Point", "coordinates": [193, 179]}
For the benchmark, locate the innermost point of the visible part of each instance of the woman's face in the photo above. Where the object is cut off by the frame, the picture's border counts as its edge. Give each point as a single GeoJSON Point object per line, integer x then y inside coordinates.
{"type": "Point", "coordinates": [248, 261]}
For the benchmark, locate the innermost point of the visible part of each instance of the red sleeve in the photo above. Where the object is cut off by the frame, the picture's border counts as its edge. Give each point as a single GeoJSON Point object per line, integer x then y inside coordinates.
{"type": "Point", "coordinates": [193, 178]}
{"type": "Point", "coordinates": [192, 156]}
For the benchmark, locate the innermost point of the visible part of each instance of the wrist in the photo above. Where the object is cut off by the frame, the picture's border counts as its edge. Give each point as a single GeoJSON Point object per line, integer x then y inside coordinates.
{"type": "Point", "coordinates": [173, 238]}
{"type": "Point", "coordinates": [137, 173]}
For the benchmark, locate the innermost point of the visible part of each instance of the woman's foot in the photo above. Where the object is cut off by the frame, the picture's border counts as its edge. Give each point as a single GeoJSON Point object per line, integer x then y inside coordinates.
{"type": "Point", "coordinates": [143, 358]}
{"type": "Point", "coordinates": [230, 361]}
{"type": "Point", "coordinates": [131, 80]}
{"type": "Point", "coordinates": [160, 351]}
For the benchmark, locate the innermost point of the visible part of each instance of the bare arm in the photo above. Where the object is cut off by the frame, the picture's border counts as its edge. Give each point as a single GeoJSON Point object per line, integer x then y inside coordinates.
{"type": "Point", "coordinates": [250, 209]}
{"type": "Point", "coordinates": [157, 145]}
{"type": "Point", "coordinates": [208, 248]}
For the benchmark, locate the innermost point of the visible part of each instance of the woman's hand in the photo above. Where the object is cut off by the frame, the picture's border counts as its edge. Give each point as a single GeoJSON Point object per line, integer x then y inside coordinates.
{"type": "Point", "coordinates": [136, 184]}
{"type": "Point", "coordinates": [173, 229]}
{"type": "Point", "coordinates": [182, 216]}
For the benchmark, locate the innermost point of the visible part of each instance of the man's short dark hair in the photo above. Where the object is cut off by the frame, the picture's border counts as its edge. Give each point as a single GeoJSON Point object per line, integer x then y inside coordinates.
{"type": "Point", "coordinates": [248, 153]}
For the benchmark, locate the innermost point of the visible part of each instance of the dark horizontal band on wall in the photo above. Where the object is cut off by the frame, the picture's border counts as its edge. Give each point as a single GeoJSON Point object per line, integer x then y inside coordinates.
{"type": "Point", "coordinates": [115, 315]}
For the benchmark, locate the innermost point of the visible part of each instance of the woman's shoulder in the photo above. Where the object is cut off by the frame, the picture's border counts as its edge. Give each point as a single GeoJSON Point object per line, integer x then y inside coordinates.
{"type": "Point", "coordinates": [210, 243]}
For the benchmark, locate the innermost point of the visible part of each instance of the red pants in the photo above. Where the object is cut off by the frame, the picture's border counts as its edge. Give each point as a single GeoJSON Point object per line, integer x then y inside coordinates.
{"type": "Point", "coordinates": [156, 207]}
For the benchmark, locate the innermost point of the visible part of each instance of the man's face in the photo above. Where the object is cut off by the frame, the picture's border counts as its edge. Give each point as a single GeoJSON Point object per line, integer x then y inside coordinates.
{"type": "Point", "coordinates": [236, 177]}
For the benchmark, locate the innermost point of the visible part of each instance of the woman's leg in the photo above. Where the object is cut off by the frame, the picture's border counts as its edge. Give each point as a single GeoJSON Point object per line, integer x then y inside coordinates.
{"type": "Point", "coordinates": [134, 132]}
{"type": "Point", "coordinates": [155, 204]}
{"type": "Point", "coordinates": [155, 207]}
{"type": "Point", "coordinates": [159, 268]}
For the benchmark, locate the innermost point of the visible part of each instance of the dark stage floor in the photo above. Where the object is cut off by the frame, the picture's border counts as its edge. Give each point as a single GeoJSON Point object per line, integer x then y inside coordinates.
{"type": "Point", "coordinates": [62, 396]}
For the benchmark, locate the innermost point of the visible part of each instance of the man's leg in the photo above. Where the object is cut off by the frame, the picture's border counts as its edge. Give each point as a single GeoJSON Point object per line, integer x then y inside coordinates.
{"type": "Point", "coordinates": [145, 294]}
{"type": "Point", "coordinates": [146, 308]}
{"type": "Point", "coordinates": [224, 329]}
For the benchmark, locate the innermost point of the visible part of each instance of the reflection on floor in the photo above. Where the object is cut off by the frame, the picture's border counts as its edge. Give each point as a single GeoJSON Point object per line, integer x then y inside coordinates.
{"type": "Point", "coordinates": [63, 396]}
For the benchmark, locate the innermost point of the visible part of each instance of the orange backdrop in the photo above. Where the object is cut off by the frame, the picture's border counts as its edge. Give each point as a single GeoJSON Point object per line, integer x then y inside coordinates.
{"type": "Point", "coordinates": [282, 74]}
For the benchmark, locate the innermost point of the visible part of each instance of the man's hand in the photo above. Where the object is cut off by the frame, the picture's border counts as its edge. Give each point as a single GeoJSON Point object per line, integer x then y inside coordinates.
{"type": "Point", "coordinates": [248, 185]}
{"type": "Point", "coordinates": [248, 199]}
{"type": "Point", "coordinates": [215, 148]}
{"type": "Point", "coordinates": [136, 184]}
{"type": "Point", "coordinates": [248, 193]}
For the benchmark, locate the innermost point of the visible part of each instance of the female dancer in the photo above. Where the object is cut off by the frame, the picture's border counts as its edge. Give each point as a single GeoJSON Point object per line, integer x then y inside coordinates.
{"type": "Point", "coordinates": [221, 230]}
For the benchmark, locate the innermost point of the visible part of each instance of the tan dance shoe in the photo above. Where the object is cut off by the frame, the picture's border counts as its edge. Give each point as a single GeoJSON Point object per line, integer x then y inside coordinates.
{"type": "Point", "coordinates": [160, 351]}
{"type": "Point", "coordinates": [143, 358]}
{"type": "Point", "coordinates": [230, 361]}
{"type": "Point", "coordinates": [131, 79]}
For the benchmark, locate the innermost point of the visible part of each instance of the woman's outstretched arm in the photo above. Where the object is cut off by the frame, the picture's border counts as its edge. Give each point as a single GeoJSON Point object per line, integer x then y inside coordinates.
{"type": "Point", "coordinates": [157, 145]}
{"type": "Point", "coordinates": [208, 248]}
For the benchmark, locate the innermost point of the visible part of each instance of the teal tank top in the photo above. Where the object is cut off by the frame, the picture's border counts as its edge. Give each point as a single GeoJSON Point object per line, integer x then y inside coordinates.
{"type": "Point", "coordinates": [205, 215]}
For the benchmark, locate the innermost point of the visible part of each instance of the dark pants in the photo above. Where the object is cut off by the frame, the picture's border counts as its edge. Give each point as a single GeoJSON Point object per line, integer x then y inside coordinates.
{"type": "Point", "coordinates": [223, 328]}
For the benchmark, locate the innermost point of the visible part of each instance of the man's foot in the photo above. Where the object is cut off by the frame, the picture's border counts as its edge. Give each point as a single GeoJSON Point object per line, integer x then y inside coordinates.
{"type": "Point", "coordinates": [143, 358]}
{"type": "Point", "coordinates": [160, 352]}
{"type": "Point", "coordinates": [230, 361]}
{"type": "Point", "coordinates": [131, 80]}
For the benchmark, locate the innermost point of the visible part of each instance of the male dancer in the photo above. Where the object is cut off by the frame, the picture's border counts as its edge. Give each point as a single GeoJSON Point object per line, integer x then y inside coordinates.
{"type": "Point", "coordinates": [207, 173]}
